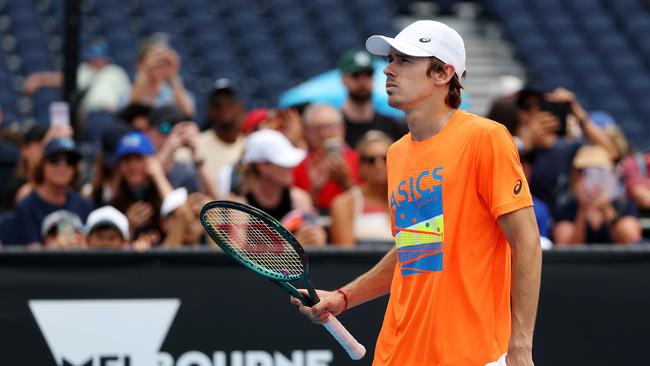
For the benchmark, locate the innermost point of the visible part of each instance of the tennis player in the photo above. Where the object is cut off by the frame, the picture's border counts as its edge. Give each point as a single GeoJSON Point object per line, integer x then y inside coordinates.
{"type": "Point", "coordinates": [464, 275]}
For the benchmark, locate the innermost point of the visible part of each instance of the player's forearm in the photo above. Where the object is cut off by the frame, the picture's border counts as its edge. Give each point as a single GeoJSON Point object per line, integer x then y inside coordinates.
{"type": "Point", "coordinates": [521, 231]}
{"type": "Point", "coordinates": [526, 277]}
{"type": "Point", "coordinates": [374, 283]}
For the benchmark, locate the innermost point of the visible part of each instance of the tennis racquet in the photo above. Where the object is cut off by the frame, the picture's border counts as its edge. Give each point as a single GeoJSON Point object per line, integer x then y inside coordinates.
{"type": "Point", "coordinates": [261, 243]}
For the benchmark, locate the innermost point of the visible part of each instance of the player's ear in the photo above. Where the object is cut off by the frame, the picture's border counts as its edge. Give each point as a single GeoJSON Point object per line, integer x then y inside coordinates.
{"type": "Point", "coordinates": [443, 76]}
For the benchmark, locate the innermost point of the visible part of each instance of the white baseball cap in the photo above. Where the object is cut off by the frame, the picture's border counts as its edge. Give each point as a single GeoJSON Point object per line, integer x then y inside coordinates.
{"type": "Point", "coordinates": [271, 146]}
{"type": "Point", "coordinates": [172, 201]}
{"type": "Point", "coordinates": [424, 38]}
{"type": "Point", "coordinates": [108, 216]}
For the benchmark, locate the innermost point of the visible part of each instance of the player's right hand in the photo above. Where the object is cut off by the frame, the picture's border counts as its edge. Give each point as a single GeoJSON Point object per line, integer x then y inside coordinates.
{"type": "Point", "coordinates": [331, 302]}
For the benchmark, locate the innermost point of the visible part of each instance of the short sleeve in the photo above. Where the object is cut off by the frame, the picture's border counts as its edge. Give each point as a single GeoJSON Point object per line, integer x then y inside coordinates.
{"type": "Point", "coordinates": [501, 181]}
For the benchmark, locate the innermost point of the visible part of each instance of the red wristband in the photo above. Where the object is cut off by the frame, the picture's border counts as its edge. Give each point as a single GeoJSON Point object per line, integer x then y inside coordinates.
{"type": "Point", "coordinates": [345, 297]}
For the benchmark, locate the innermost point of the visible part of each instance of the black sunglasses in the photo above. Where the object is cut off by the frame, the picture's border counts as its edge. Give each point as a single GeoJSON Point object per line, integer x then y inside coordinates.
{"type": "Point", "coordinates": [69, 159]}
{"type": "Point", "coordinates": [371, 160]}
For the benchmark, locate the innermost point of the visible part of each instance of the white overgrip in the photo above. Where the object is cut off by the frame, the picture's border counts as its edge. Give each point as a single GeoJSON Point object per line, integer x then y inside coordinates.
{"type": "Point", "coordinates": [355, 349]}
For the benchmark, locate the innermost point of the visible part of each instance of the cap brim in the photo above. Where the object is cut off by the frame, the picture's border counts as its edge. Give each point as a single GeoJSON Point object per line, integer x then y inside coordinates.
{"type": "Point", "coordinates": [290, 158]}
{"type": "Point", "coordinates": [380, 46]}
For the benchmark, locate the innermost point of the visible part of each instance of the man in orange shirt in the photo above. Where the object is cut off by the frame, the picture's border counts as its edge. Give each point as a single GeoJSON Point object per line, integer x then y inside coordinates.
{"type": "Point", "coordinates": [462, 219]}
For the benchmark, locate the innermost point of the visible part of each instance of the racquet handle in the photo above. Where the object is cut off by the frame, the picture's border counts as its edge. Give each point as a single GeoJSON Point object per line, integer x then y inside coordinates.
{"type": "Point", "coordinates": [355, 349]}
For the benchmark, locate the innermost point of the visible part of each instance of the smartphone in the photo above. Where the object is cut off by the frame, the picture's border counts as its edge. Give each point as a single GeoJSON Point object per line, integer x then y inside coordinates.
{"type": "Point", "coordinates": [601, 179]}
{"type": "Point", "coordinates": [560, 110]}
{"type": "Point", "coordinates": [59, 114]}
{"type": "Point", "coordinates": [334, 146]}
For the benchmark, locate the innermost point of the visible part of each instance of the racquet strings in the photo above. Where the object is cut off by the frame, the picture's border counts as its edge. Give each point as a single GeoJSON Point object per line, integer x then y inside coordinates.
{"type": "Point", "coordinates": [255, 242]}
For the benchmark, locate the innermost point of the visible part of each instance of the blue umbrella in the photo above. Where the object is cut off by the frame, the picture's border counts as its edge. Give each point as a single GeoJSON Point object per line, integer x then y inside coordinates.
{"type": "Point", "coordinates": [328, 88]}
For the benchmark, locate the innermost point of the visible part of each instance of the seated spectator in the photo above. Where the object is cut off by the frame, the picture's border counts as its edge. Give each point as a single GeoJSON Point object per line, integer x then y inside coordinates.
{"type": "Point", "coordinates": [268, 183]}
{"type": "Point", "coordinates": [361, 214]}
{"type": "Point", "coordinates": [180, 218]}
{"type": "Point", "coordinates": [107, 228]}
{"type": "Point", "coordinates": [54, 176]}
{"type": "Point", "coordinates": [170, 131]}
{"type": "Point", "coordinates": [551, 140]}
{"type": "Point", "coordinates": [157, 80]}
{"type": "Point", "coordinates": [222, 144]}
{"type": "Point", "coordinates": [595, 212]}
{"type": "Point", "coordinates": [100, 84]}
{"type": "Point", "coordinates": [31, 150]}
{"type": "Point", "coordinates": [359, 114]}
{"type": "Point", "coordinates": [174, 135]}
{"type": "Point", "coordinates": [331, 167]}
{"type": "Point", "coordinates": [142, 185]}
{"type": "Point", "coordinates": [63, 230]}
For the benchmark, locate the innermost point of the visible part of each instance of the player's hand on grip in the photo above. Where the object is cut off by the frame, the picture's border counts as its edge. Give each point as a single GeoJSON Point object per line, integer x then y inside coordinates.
{"type": "Point", "coordinates": [331, 302]}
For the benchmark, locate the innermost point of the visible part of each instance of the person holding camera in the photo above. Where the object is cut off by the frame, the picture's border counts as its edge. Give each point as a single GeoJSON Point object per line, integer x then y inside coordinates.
{"type": "Point", "coordinates": [157, 80]}
{"type": "Point", "coordinates": [595, 211]}
{"type": "Point", "coordinates": [331, 166]}
{"type": "Point", "coordinates": [551, 128]}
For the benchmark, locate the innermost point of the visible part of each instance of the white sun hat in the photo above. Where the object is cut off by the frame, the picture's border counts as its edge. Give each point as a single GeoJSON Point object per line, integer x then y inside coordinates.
{"type": "Point", "coordinates": [271, 146]}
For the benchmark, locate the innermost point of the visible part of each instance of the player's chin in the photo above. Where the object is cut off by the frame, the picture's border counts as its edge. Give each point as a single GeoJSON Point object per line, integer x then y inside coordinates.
{"type": "Point", "coordinates": [395, 102]}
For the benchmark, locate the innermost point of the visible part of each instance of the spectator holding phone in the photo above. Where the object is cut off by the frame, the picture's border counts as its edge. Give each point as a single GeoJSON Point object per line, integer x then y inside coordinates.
{"type": "Point", "coordinates": [141, 187]}
{"type": "Point", "coordinates": [331, 166]}
{"type": "Point", "coordinates": [157, 80]}
{"type": "Point", "coordinates": [63, 229]}
{"type": "Point", "coordinates": [54, 176]}
{"type": "Point", "coordinates": [595, 211]}
{"type": "Point", "coordinates": [545, 131]}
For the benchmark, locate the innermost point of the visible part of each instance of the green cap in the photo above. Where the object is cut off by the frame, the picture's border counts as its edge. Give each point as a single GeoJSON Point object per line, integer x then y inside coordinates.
{"type": "Point", "coordinates": [356, 60]}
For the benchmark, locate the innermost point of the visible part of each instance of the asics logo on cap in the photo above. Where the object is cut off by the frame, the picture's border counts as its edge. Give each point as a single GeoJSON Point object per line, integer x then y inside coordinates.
{"type": "Point", "coordinates": [425, 40]}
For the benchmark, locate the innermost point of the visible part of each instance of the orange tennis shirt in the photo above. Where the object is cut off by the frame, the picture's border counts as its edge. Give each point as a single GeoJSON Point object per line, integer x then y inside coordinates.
{"type": "Point", "coordinates": [450, 296]}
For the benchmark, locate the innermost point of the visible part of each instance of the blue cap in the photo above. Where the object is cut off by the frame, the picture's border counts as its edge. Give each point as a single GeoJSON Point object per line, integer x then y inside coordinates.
{"type": "Point", "coordinates": [134, 143]}
{"type": "Point", "coordinates": [60, 145]}
{"type": "Point", "coordinates": [97, 49]}
{"type": "Point", "coordinates": [602, 119]}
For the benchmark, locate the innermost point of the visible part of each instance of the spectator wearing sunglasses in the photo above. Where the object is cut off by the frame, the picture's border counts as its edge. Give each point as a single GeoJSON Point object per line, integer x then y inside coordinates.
{"type": "Point", "coordinates": [174, 137]}
{"type": "Point", "coordinates": [359, 114]}
{"type": "Point", "coordinates": [360, 215]}
{"type": "Point", "coordinates": [54, 176]}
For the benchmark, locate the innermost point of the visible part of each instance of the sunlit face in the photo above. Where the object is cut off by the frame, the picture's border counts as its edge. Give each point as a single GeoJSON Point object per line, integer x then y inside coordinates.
{"type": "Point", "coordinates": [322, 126]}
{"type": "Point", "coordinates": [59, 169]}
{"type": "Point", "coordinates": [134, 170]}
{"type": "Point", "coordinates": [372, 159]}
{"type": "Point", "coordinates": [407, 82]}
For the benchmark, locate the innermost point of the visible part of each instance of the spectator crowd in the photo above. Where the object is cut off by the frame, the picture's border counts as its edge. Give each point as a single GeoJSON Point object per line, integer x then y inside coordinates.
{"type": "Point", "coordinates": [141, 181]}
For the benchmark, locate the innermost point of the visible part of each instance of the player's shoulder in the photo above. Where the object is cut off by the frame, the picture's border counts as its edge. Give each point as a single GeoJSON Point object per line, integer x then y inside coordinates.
{"type": "Point", "coordinates": [478, 124]}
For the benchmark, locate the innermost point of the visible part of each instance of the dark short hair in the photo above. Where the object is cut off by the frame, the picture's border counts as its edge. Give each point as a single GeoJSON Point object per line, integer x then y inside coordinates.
{"type": "Point", "coordinates": [453, 98]}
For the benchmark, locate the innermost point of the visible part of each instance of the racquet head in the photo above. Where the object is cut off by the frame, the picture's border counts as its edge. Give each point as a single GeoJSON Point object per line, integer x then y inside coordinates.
{"type": "Point", "coordinates": [255, 239]}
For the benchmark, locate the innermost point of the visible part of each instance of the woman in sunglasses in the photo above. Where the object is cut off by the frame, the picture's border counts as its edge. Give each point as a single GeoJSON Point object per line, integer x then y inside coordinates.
{"type": "Point", "coordinates": [360, 215]}
{"type": "Point", "coordinates": [54, 177]}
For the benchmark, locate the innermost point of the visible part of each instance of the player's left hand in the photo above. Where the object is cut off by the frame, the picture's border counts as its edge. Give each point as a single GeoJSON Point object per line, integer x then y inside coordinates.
{"type": "Point", "coordinates": [520, 357]}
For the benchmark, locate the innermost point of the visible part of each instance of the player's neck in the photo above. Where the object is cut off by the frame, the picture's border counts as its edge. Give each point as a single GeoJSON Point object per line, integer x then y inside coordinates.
{"type": "Point", "coordinates": [427, 120]}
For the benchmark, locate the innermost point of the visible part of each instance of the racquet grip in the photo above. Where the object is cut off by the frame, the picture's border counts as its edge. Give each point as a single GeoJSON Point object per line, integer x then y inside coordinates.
{"type": "Point", "coordinates": [355, 349]}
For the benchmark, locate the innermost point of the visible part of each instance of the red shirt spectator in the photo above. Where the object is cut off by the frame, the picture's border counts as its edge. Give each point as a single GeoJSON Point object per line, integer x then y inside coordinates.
{"type": "Point", "coordinates": [330, 189]}
{"type": "Point", "coordinates": [331, 166]}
